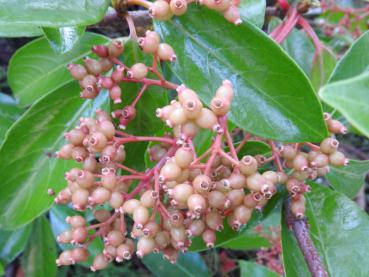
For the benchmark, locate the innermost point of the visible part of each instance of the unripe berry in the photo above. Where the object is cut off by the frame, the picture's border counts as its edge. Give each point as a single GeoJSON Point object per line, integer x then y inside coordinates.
{"type": "Point", "coordinates": [298, 206]}
{"type": "Point", "coordinates": [88, 80]}
{"type": "Point", "coordinates": [192, 107]}
{"type": "Point", "coordinates": [106, 64]}
{"type": "Point", "coordinates": [320, 160]}
{"type": "Point", "coordinates": [149, 44]}
{"type": "Point", "coordinates": [79, 154]}
{"type": "Point", "coordinates": [179, 235]}
{"type": "Point", "coordinates": [163, 113]}
{"type": "Point", "coordinates": [249, 201]}
{"type": "Point", "coordinates": [100, 195]}
{"type": "Point", "coordinates": [117, 75]}
{"type": "Point", "coordinates": [89, 92]}
{"type": "Point", "coordinates": [105, 82]}
{"type": "Point", "coordinates": [65, 152]}
{"type": "Point", "coordinates": [242, 214]}
{"type": "Point", "coordinates": [209, 238]}
{"type": "Point", "coordinates": [100, 50]}
{"type": "Point", "coordinates": [196, 203]}
{"type": "Point", "coordinates": [323, 171]}
{"type": "Point", "coordinates": [182, 192]}
{"type": "Point", "coordinates": [282, 177]}
{"type": "Point", "coordinates": [166, 53]}
{"type": "Point", "coordinates": [148, 198]}
{"type": "Point", "coordinates": [141, 216]}
{"type": "Point", "coordinates": [248, 165]}
{"type": "Point", "coordinates": [75, 136]}
{"type": "Point", "coordinates": [80, 254]}
{"type": "Point", "coordinates": [293, 185]}
{"type": "Point", "coordinates": [109, 179]}
{"type": "Point", "coordinates": [114, 238]}
{"type": "Point", "coordinates": [202, 184]}
{"type": "Point", "coordinates": [220, 106]}
{"type": "Point", "coordinates": [218, 5]}
{"type": "Point", "coordinates": [225, 91]}
{"type": "Point", "coordinates": [130, 206]}
{"type": "Point", "coordinates": [65, 237]}
{"type": "Point", "coordinates": [214, 221]}
{"type": "Point", "coordinates": [110, 252]}
{"type": "Point", "coordinates": [107, 128]}
{"type": "Point", "coordinates": [329, 145]}
{"type": "Point", "coordinates": [160, 10]}
{"type": "Point", "coordinates": [126, 249]}
{"type": "Point", "coordinates": [189, 129]}
{"type": "Point", "coordinates": [272, 176]}
{"type": "Point", "coordinates": [255, 182]}
{"type": "Point", "coordinates": [80, 198]}
{"type": "Point", "coordinates": [196, 228]}
{"type": "Point", "coordinates": [207, 119]}
{"type": "Point", "coordinates": [217, 199]}
{"type": "Point", "coordinates": [183, 177]}
{"type": "Point", "coordinates": [92, 66]}
{"type": "Point", "coordinates": [235, 197]}
{"type": "Point", "coordinates": [116, 200]}
{"type": "Point", "coordinates": [115, 48]}
{"type": "Point", "coordinates": [120, 154]}
{"type": "Point", "coordinates": [145, 246]}
{"type": "Point", "coordinates": [77, 71]}
{"type": "Point", "coordinates": [170, 171]}
{"type": "Point", "coordinates": [108, 154]}
{"type": "Point", "coordinates": [100, 262]}
{"type": "Point", "coordinates": [178, 7]}
{"type": "Point", "coordinates": [85, 179]}
{"type": "Point", "coordinates": [79, 235]}
{"type": "Point", "coordinates": [97, 141]}
{"type": "Point", "coordinates": [138, 71]}
{"type": "Point", "coordinates": [150, 229]}
{"type": "Point", "coordinates": [162, 239]}
{"type": "Point", "coordinates": [102, 215]}
{"type": "Point", "coordinates": [288, 152]}
{"type": "Point", "coordinates": [177, 117]}
{"type": "Point", "coordinates": [232, 14]}
{"type": "Point", "coordinates": [76, 221]}
{"type": "Point", "coordinates": [336, 127]}
{"type": "Point", "coordinates": [116, 94]}
{"type": "Point", "coordinates": [300, 162]}
{"type": "Point", "coordinates": [65, 258]}
{"type": "Point", "coordinates": [338, 159]}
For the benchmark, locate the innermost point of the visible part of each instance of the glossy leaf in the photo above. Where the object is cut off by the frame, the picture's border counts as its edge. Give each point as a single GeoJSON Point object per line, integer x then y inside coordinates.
{"type": "Point", "coordinates": [253, 11]}
{"type": "Point", "coordinates": [52, 13]}
{"type": "Point", "coordinates": [35, 69]}
{"type": "Point", "coordinates": [273, 98]}
{"type": "Point", "coordinates": [323, 65]}
{"type": "Point", "coordinates": [348, 179]}
{"type": "Point", "coordinates": [255, 270]}
{"type": "Point", "coordinates": [63, 39]}
{"type": "Point", "coordinates": [13, 243]}
{"type": "Point", "coordinates": [187, 265]}
{"type": "Point", "coordinates": [145, 122]}
{"type": "Point", "coordinates": [19, 30]}
{"type": "Point", "coordinates": [350, 97]}
{"type": "Point", "coordinates": [253, 147]}
{"type": "Point", "coordinates": [27, 161]}
{"type": "Point", "coordinates": [293, 261]}
{"type": "Point", "coordinates": [354, 62]}
{"type": "Point", "coordinates": [40, 254]}
{"type": "Point", "coordinates": [338, 225]}
{"type": "Point", "coordinates": [9, 113]}
{"type": "Point", "coordinates": [298, 46]}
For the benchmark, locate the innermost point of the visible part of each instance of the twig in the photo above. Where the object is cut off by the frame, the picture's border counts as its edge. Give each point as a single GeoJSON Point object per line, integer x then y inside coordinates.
{"type": "Point", "coordinates": [301, 231]}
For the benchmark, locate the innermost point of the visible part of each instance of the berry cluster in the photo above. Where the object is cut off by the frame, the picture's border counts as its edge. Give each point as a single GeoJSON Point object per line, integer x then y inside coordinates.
{"type": "Point", "coordinates": [164, 10]}
{"type": "Point", "coordinates": [184, 194]}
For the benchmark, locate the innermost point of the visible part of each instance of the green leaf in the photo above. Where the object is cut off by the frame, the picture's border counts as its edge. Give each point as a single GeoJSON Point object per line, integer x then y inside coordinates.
{"type": "Point", "coordinates": [350, 97]}
{"type": "Point", "coordinates": [26, 156]}
{"type": "Point", "coordinates": [9, 113]}
{"type": "Point", "coordinates": [253, 147]}
{"type": "Point", "coordinates": [354, 62]}
{"type": "Point", "coordinates": [273, 97]}
{"type": "Point", "coordinates": [253, 11]}
{"type": "Point", "coordinates": [40, 254]}
{"type": "Point", "coordinates": [298, 46]}
{"type": "Point", "coordinates": [63, 39]}
{"type": "Point", "coordinates": [35, 69]}
{"type": "Point", "coordinates": [52, 13]}
{"type": "Point", "coordinates": [348, 179]}
{"type": "Point", "coordinates": [323, 65]}
{"type": "Point", "coordinates": [188, 264]}
{"type": "Point", "coordinates": [293, 261]}
{"type": "Point", "coordinates": [13, 243]}
{"type": "Point", "coordinates": [337, 225]}
{"type": "Point", "coordinates": [19, 30]}
{"type": "Point", "coordinates": [145, 123]}
{"type": "Point", "coordinates": [255, 270]}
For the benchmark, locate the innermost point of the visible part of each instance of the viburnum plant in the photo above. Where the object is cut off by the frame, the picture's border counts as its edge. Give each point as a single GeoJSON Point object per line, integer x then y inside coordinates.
{"type": "Point", "coordinates": [190, 135]}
